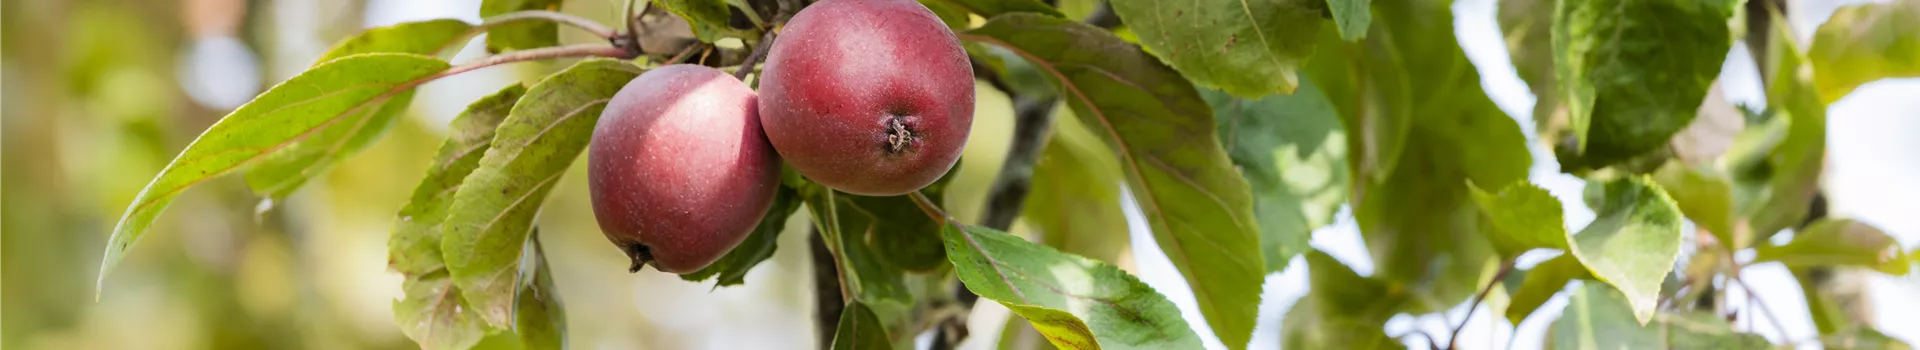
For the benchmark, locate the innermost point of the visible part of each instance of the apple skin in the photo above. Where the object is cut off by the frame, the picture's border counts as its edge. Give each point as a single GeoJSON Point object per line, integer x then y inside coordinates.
{"type": "Point", "coordinates": [679, 169]}
{"type": "Point", "coordinates": [869, 97]}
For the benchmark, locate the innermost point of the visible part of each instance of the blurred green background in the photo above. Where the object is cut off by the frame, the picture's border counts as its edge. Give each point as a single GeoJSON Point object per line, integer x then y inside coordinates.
{"type": "Point", "coordinates": [100, 94]}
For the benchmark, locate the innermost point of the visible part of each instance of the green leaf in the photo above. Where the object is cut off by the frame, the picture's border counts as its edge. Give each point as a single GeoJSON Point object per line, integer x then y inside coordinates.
{"type": "Point", "coordinates": [434, 315]}
{"type": "Point", "coordinates": [287, 169]}
{"type": "Point", "coordinates": [1368, 87]}
{"type": "Point", "coordinates": [859, 329]}
{"type": "Point", "coordinates": [1198, 207]}
{"type": "Point", "coordinates": [1075, 198]}
{"type": "Point", "coordinates": [286, 114]}
{"type": "Point", "coordinates": [1247, 48]}
{"type": "Point", "coordinates": [878, 239]}
{"type": "Point", "coordinates": [1419, 220]}
{"type": "Point", "coordinates": [1342, 311]}
{"type": "Point", "coordinates": [414, 246]}
{"type": "Point", "coordinates": [279, 174]}
{"type": "Point", "coordinates": [426, 38]}
{"type": "Point", "coordinates": [539, 319]}
{"type": "Point", "coordinates": [899, 232]}
{"type": "Point", "coordinates": [708, 18]}
{"type": "Point", "coordinates": [1838, 242]}
{"type": "Point", "coordinates": [1292, 151]}
{"type": "Point", "coordinates": [1633, 241]}
{"type": "Point", "coordinates": [894, 229]}
{"type": "Point", "coordinates": [1352, 17]}
{"type": "Point", "coordinates": [1308, 326]}
{"type": "Point", "coordinates": [732, 268]}
{"type": "Point", "coordinates": [1527, 27]}
{"type": "Point", "coordinates": [522, 35]}
{"type": "Point", "coordinates": [1020, 76]}
{"type": "Point", "coordinates": [1704, 330]}
{"type": "Point", "coordinates": [494, 208]}
{"type": "Point", "coordinates": [1541, 283]}
{"type": "Point", "coordinates": [990, 8]}
{"type": "Point", "coordinates": [1865, 42]}
{"type": "Point", "coordinates": [1827, 313]}
{"type": "Point", "coordinates": [1598, 317]}
{"type": "Point", "coordinates": [1523, 217]}
{"type": "Point", "coordinates": [1633, 72]}
{"type": "Point", "coordinates": [950, 13]}
{"type": "Point", "coordinates": [867, 276]}
{"type": "Point", "coordinates": [1338, 289]}
{"type": "Point", "coordinates": [1053, 290]}
{"type": "Point", "coordinates": [1862, 338]}
{"type": "Point", "coordinates": [1796, 161]}
{"type": "Point", "coordinates": [1705, 195]}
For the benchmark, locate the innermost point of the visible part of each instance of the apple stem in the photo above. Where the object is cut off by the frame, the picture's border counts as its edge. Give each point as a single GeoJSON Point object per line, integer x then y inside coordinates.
{"type": "Point", "coordinates": [933, 210]}
{"type": "Point", "coordinates": [759, 52]}
{"type": "Point", "coordinates": [1453, 339]}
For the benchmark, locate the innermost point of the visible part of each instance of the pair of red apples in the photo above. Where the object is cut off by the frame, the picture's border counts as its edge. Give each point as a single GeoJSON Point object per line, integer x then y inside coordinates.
{"type": "Point", "coordinates": [869, 97]}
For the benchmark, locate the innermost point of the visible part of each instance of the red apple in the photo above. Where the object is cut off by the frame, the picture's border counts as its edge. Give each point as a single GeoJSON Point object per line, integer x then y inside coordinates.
{"type": "Point", "coordinates": [870, 97]}
{"type": "Point", "coordinates": [679, 169]}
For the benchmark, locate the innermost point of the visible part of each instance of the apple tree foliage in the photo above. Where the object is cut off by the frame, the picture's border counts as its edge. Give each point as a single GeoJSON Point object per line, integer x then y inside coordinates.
{"type": "Point", "coordinates": [1237, 127]}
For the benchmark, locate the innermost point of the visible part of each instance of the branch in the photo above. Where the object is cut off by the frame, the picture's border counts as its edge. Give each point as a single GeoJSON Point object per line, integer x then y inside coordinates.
{"type": "Point", "coordinates": [759, 52]}
{"type": "Point", "coordinates": [1754, 299]}
{"type": "Point", "coordinates": [1453, 340]}
{"type": "Point", "coordinates": [522, 16]}
{"type": "Point", "coordinates": [1008, 195]}
{"type": "Point", "coordinates": [827, 297]}
{"type": "Point", "coordinates": [1733, 274]}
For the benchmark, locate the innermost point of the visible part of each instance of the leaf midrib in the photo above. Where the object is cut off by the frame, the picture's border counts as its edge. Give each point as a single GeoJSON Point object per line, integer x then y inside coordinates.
{"type": "Point", "coordinates": [1152, 205]}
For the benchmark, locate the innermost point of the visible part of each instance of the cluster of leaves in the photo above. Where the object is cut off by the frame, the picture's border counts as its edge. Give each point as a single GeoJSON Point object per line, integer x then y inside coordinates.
{"type": "Point", "coordinates": [1238, 126]}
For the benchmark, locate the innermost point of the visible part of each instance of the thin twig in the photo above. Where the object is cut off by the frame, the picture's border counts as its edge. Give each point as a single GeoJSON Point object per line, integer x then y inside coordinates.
{"type": "Point", "coordinates": [1453, 340]}
{"type": "Point", "coordinates": [579, 50]}
{"type": "Point", "coordinates": [1754, 299]}
{"type": "Point", "coordinates": [538, 15]}
{"type": "Point", "coordinates": [684, 52]}
{"type": "Point", "coordinates": [1733, 274]}
{"type": "Point", "coordinates": [927, 206]}
{"type": "Point", "coordinates": [759, 52]}
{"type": "Point", "coordinates": [583, 50]}
{"type": "Point", "coordinates": [1431, 342]}
{"type": "Point", "coordinates": [828, 299]}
